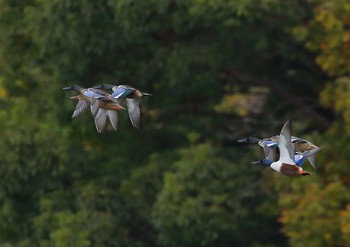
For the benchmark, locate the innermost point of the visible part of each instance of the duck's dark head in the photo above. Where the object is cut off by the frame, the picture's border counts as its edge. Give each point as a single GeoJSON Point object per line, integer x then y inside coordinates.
{"type": "Point", "coordinates": [263, 162]}
{"type": "Point", "coordinates": [252, 140]}
{"type": "Point", "coordinates": [72, 87]}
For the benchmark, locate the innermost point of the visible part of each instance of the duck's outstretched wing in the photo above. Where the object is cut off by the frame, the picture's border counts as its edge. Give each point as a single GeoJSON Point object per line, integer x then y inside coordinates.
{"type": "Point", "coordinates": [81, 106]}
{"type": "Point", "coordinates": [285, 145]}
{"type": "Point", "coordinates": [309, 154]}
{"type": "Point", "coordinates": [270, 153]}
{"type": "Point", "coordinates": [95, 106]}
{"type": "Point", "coordinates": [122, 91]}
{"type": "Point", "coordinates": [134, 111]}
{"type": "Point", "coordinates": [270, 150]}
{"type": "Point", "coordinates": [100, 120]}
{"type": "Point", "coordinates": [113, 118]}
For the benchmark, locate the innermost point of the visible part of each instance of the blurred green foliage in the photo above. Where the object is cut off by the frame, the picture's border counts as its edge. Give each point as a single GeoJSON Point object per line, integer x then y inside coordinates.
{"type": "Point", "coordinates": [218, 70]}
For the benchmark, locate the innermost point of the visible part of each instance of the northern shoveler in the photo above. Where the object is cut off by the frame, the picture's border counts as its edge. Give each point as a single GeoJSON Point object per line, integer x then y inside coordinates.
{"type": "Point", "coordinates": [286, 163]}
{"type": "Point", "coordinates": [299, 158]}
{"type": "Point", "coordinates": [270, 145]}
{"type": "Point", "coordinates": [132, 97]}
{"type": "Point", "coordinates": [103, 106]}
{"type": "Point", "coordinates": [94, 96]}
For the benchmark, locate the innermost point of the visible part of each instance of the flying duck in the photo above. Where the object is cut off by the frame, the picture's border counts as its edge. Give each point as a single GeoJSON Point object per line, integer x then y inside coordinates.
{"type": "Point", "coordinates": [102, 106]}
{"type": "Point", "coordinates": [286, 164]}
{"type": "Point", "coordinates": [132, 97]}
{"type": "Point", "coordinates": [270, 145]}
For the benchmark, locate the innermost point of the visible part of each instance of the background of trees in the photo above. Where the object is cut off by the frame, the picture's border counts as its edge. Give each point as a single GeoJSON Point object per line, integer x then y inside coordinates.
{"type": "Point", "coordinates": [218, 70]}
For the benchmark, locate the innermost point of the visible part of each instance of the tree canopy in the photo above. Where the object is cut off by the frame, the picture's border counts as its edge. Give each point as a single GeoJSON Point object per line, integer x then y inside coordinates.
{"type": "Point", "coordinates": [218, 70]}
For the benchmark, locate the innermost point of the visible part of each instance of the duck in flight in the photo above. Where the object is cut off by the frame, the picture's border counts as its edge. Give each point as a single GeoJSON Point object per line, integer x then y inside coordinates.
{"type": "Point", "coordinates": [270, 147]}
{"type": "Point", "coordinates": [102, 104]}
{"type": "Point", "coordinates": [132, 97]}
{"type": "Point", "coordinates": [286, 164]}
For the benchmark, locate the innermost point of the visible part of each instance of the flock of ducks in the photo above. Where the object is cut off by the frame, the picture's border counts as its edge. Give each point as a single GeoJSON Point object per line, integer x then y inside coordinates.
{"type": "Point", "coordinates": [293, 151]}
{"type": "Point", "coordinates": [104, 105]}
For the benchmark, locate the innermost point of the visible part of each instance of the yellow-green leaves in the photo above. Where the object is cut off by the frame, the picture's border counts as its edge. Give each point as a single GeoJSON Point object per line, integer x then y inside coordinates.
{"type": "Point", "coordinates": [327, 33]}
{"type": "Point", "coordinates": [313, 215]}
{"type": "Point", "coordinates": [336, 96]}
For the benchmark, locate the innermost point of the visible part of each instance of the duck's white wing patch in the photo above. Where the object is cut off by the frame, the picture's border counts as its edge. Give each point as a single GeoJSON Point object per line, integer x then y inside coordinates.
{"type": "Point", "coordinates": [285, 145]}
{"type": "Point", "coordinates": [81, 106]}
{"type": "Point", "coordinates": [134, 111]}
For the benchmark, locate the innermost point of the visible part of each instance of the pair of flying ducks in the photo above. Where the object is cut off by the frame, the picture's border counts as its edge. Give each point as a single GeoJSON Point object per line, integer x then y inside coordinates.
{"type": "Point", "coordinates": [105, 106]}
{"type": "Point", "coordinates": [293, 152]}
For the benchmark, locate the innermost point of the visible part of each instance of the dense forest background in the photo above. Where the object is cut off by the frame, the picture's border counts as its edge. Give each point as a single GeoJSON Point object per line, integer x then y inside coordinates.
{"type": "Point", "coordinates": [218, 70]}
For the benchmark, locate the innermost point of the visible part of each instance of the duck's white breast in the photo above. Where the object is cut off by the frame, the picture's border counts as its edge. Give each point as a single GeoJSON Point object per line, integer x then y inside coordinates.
{"type": "Point", "coordinates": [276, 166]}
